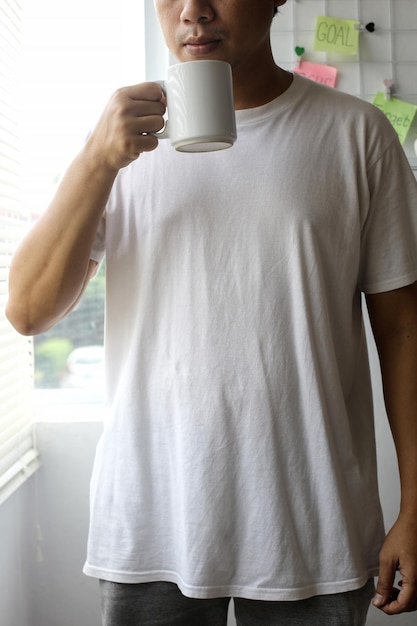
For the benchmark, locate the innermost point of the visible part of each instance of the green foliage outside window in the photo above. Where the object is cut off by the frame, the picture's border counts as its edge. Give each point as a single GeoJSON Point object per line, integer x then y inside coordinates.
{"type": "Point", "coordinates": [82, 327]}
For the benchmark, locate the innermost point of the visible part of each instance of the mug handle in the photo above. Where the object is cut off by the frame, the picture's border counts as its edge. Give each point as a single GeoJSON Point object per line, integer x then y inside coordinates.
{"type": "Point", "coordinates": [164, 133]}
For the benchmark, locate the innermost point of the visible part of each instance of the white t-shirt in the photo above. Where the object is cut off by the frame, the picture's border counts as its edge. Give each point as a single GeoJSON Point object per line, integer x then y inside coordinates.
{"type": "Point", "coordinates": [238, 457]}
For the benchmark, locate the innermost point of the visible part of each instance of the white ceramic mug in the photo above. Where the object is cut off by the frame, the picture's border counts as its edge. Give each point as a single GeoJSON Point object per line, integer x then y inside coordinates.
{"type": "Point", "coordinates": [200, 106]}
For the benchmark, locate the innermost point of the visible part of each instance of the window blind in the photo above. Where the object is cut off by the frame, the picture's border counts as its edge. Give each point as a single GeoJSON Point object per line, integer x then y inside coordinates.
{"type": "Point", "coordinates": [18, 455]}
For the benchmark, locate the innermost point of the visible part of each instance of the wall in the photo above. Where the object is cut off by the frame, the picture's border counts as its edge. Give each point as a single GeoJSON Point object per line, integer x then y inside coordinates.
{"type": "Point", "coordinates": [61, 594]}
{"type": "Point", "coordinates": [388, 53]}
{"type": "Point", "coordinates": [15, 557]}
{"type": "Point", "coordinates": [43, 531]}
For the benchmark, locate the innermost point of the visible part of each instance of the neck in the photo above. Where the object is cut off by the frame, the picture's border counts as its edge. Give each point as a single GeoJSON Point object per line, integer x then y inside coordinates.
{"type": "Point", "coordinates": [260, 88]}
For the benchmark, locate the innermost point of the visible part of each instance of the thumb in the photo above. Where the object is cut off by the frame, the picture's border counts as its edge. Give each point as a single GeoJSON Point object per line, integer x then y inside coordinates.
{"type": "Point", "coordinates": [385, 586]}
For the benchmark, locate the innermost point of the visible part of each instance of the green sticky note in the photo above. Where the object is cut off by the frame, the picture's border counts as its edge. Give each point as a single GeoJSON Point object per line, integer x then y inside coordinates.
{"type": "Point", "coordinates": [399, 113]}
{"type": "Point", "coordinates": [338, 36]}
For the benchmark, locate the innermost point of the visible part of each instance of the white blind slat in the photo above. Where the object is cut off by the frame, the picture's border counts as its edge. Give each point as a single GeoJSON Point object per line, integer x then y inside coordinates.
{"type": "Point", "coordinates": [18, 455]}
{"type": "Point", "coordinates": [13, 424]}
{"type": "Point", "coordinates": [16, 447]}
{"type": "Point", "coordinates": [18, 473]}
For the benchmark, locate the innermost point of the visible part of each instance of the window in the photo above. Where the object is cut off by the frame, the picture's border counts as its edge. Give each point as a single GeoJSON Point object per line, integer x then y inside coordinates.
{"type": "Point", "coordinates": [75, 56]}
{"type": "Point", "coordinates": [18, 456]}
{"type": "Point", "coordinates": [59, 64]}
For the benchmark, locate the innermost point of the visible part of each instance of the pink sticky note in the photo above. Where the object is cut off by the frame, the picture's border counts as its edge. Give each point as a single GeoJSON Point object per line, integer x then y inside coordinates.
{"type": "Point", "coordinates": [324, 74]}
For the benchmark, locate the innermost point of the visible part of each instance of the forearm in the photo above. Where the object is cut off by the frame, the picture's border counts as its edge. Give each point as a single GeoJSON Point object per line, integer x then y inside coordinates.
{"type": "Point", "coordinates": [399, 372]}
{"type": "Point", "coordinates": [399, 551]}
{"type": "Point", "coordinates": [394, 321]}
{"type": "Point", "coordinates": [50, 268]}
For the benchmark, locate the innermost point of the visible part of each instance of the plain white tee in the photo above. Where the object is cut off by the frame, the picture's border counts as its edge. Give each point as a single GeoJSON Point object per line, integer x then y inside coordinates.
{"type": "Point", "coordinates": [238, 456]}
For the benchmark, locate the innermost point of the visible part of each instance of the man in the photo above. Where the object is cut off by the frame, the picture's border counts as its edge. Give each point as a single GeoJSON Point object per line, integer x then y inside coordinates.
{"type": "Point", "coordinates": [238, 458]}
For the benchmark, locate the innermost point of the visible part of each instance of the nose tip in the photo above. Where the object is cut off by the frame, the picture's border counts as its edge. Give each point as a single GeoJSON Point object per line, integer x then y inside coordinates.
{"type": "Point", "coordinates": [195, 11]}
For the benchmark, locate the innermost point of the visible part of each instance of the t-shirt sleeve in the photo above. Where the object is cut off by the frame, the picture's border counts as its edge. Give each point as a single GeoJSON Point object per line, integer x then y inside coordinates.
{"type": "Point", "coordinates": [98, 250]}
{"type": "Point", "coordinates": [389, 233]}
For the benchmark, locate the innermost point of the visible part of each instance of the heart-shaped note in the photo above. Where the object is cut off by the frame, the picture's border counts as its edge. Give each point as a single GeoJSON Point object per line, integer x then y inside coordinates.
{"type": "Point", "coordinates": [388, 82]}
{"type": "Point", "coordinates": [299, 51]}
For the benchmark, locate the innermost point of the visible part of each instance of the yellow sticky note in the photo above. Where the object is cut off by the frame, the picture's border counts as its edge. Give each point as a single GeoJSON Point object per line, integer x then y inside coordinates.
{"type": "Point", "coordinates": [399, 113]}
{"type": "Point", "coordinates": [335, 35]}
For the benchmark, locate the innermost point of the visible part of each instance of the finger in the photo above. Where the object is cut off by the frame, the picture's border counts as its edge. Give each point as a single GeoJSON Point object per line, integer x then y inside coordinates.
{"type": "Point", "coordinates": [391, 602]}
{"type": "Point", "coordinates": [148, 124]}
{"type": "Point", "coordinates": [134, 148]}
{"type": "Point", "coordinates": [133, 145]}
{"type": "Point", "coordinates": [128, 108]}
{"type": "Point", "coordinates": [144, 91]}
{"type": "Point", "coordinates": [407, 597]}
{"type": "Point", "coordinates": [385, 585]}
{"type": "Point", "coordinates": [399, 603]}
{"type": "Point", "coordinates": [149, 143]}
{"type": "Point", "coordinates": [128, 101]}
{"type": "Point", "coordinates": [401, 600]}
{"type": "Point", "coordinates": [142, 108]}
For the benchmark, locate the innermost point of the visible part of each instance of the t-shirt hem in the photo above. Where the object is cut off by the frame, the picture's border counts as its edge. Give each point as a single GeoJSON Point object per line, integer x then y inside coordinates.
{"type": "Point", "coordinates": [97, 255]}
{"type": "Point", "coordinates": [233, 591]}
{"type": "Point", "coordinates": [390, 285]}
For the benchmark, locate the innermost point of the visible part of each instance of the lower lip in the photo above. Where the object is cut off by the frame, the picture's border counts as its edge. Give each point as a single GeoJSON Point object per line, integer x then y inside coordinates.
{"type": "Point", "coordinates": [197, 50]}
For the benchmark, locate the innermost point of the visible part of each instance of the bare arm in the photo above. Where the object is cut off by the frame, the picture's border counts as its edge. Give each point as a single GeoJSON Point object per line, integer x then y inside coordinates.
{"type": "Point", "coordinates": [394, 322]}
{"type": "Point", "coordinates": [52, 266]}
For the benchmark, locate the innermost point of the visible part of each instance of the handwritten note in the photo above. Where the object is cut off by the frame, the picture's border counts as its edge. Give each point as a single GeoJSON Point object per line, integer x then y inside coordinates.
{"type": "Point", "coordinates": [335, 35]}
{"type": "Point", "coordinates": [324, 74]}
{"type": "Point", "coordinates": [399, 113]}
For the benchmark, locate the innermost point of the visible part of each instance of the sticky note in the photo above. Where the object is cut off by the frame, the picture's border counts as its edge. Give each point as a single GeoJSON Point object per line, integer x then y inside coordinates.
{"type": "Point", "coordinates": [335, 35]}
{"type": "Point", "coordinates": [399, 113]}
{"type": "Point", "coordinates": [318, 72]}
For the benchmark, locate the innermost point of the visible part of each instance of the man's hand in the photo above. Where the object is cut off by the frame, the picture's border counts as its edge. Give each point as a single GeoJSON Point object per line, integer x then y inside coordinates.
{"type": "Point", "coordinates": [399, 553]}
{"type": "Point", "coordinates": [124, 129]}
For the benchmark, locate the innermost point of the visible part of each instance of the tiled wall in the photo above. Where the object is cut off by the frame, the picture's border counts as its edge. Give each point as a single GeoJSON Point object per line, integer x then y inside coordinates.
{"type": "Point", "coordinates": [388, 53]}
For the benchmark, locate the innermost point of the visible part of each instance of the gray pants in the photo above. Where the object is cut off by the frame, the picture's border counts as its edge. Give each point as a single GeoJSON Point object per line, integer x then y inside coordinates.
{"type": "Point", "coordinates": [162, 604]}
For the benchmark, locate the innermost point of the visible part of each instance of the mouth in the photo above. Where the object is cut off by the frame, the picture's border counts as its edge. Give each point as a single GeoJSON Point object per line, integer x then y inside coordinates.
{"type": "Point", "coordinates": [201, 46]}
